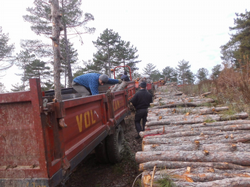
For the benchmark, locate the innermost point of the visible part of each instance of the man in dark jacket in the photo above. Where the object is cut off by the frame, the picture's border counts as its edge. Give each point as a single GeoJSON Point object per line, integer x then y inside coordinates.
{"type": "Point", "coordinates": [141, 102]}
{"type": "Point", "coordinates": [125, 77]}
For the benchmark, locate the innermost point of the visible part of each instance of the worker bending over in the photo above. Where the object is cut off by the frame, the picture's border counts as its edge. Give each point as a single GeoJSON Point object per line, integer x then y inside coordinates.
{"type": "Point", "coordinates": [88, 83]}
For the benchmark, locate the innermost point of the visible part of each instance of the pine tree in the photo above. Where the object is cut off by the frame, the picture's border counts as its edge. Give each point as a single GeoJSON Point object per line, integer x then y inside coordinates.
{"type": "Point", "coordinates": [29, 61]}
{"type": "Point", "coordinates": [239, 43]}
{"type": "Point", "coordinates": [106, 56]}
{"type": "Point", "coordinates": [112, 51]}
{"type": "Point", "coordinates": [156, 75]}
{"type": "Point", "coordinates": [190, 77]}
{"type": "Point", "coordinates": [126, 55]}
{"type": "Point", "coordinates": [72, 20]}
{"type": "Point", "coordinates": [216, 70]}
{"type": "Point", "coordinates": [17, 87]}
{"type": "Point", "coordinates": [170, 74]}
{"type": "Point", "coordinates": [6, 49]}
{"type": "Point", "coordinates": [202, 74]}
{"type": "Point", "coordinates": [37, 69]}
{"type": "Point", "coordinates": [73, 57]}
{"type": "Point", "coordinates": [88, 67]}
{"type": "Point", "coordinates": [184, 74]}
{"type": "Point", "coordinates": [149, 69]}
{"type": "Point", "coordinates": [2, 88]}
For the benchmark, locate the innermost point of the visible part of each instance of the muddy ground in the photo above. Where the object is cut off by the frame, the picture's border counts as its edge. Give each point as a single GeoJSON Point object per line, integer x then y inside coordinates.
{"type": "Point", "coordinates": [90, 173]}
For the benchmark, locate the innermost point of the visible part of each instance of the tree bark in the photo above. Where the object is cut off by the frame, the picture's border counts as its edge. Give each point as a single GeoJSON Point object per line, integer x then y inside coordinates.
{"type": "Point", "coordinates": [232, 182]}
{"type": "Point", "coordinates": [228, 147]}
{"type": "Point", "coordinates": [196, 102]}
{"type": "Point", "coordinates": [198, 110]}
{"type": "Point", "coordinates": [202, 139]}
{"type": "Point", "coordinates": [175, 164]}
{"type": "Point", "coordinates": [122, 86]}
{"type": "Point", "coordinates": [56, 23]}
{"type": "Point", "coordinates": [184, 126]}
{"type": "Point", "coordinates": [241, 158]}
{"type": "Point", "coordinates": [194, 119]}
{"type": "Point", "coordinates": [197, 131]}
{"type": "Point", "coordinates": [200, 174]}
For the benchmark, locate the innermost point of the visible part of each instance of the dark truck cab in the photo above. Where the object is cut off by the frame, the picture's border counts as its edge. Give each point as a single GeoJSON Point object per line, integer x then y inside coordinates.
{"type": "Point", "coordinates": [36, 152]}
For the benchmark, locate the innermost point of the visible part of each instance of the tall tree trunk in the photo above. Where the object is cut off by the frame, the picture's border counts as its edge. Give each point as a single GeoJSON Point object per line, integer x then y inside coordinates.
{"type": "Point", "coordinates": [109, 63]}
{"type": "Point", "coordinates": [70, 78]}
{"type": "Point", "coordinates": [56, 23]}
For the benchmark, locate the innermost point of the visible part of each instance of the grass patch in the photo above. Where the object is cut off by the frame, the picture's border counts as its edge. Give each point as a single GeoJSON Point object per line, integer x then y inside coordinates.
{"type": "Point", "coordinates": [138, 183]}
{"type": "Point", "coordinates": [161, 103]}
{"type": "Point", "coordinates": [118, 169]}
{"type": "Point", "coordinates": [209, 120]}
{"type": "Point", "coordinates": [165, 182]}
{"type": "Point", "coordinates": [209, 104]}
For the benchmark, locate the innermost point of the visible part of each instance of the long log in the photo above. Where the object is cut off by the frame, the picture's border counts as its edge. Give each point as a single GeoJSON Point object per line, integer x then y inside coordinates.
{"type": "Point", "coordinates": [122, 86]}
{"type": "Point", "coordinates": [210, 136]}
{"type": "Point", "coordinates": [205, 94]}
{"type": "Point", "coordinates": [114, 88]}
{"type": "Point", "coordinates": [204, 124]}
{"type": "Point", "coordinates": [197, 131]}
{"type": "Point", "coordinates": [196, 119]}
{"type": "Point", "coordinates": [167, 100]}
{"type": "Point", "coordinates": [239, 147]}
{"type": "Point", "coordinates": [199, 110]}
{"type": "Point", "coordinates": [231, 182]}
{"type": "Point", "coordinates": [183, 103]}
{"type": "Point", "coordinates": [188, 126]}
{"type": "Point", "coordinates": [201, 139]}
{"type": "Point", "coordinates": [201, 174]}
{"type": "Point", "coordinates": [175, 164]}
{"type": "Point", "coordinates": [228, 182]}
{"type": "Point", "coordinates": [205, 177]}
{"type": "Point", "coordinates": [241, 158]}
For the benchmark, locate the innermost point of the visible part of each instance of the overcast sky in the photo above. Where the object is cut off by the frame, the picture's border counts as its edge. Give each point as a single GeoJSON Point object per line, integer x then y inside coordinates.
{"type": "Point", "coordinates": [164, 32]}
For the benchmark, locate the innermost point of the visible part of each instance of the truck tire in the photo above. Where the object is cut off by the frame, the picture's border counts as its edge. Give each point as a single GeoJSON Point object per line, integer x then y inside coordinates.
{"type": "Point", "coordinates": [100, 153]}
{"type": "Point", "coordinates": [115, 145]}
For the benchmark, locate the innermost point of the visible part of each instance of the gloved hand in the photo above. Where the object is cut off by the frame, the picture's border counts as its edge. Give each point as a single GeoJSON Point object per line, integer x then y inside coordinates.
{"type": "Point", "coordinates": [120, 81]}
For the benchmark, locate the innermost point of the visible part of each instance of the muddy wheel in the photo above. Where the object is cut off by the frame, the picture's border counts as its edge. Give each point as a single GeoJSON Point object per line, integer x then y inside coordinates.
{"type": "Point", "coordinates": [101, 154]}
{"type": "Point", "coordinates": [115, 145]}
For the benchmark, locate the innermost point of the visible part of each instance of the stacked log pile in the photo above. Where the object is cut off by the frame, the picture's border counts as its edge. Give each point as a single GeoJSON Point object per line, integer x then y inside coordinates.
{"type": "Point", "coordinates": [193, 145]}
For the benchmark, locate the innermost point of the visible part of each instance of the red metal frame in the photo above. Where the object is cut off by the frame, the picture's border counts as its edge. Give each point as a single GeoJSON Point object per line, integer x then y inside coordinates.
{"type": "Point", "coordinates": [123, 66]}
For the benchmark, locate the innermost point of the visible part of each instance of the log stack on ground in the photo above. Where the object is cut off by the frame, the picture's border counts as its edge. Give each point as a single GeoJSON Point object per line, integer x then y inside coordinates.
{"type": "Point", "coordinates": [193, 145]}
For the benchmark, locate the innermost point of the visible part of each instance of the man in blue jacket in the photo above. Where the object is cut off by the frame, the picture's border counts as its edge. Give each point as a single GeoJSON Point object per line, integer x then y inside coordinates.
{"type": "Point", "coordinates": [141, 101]}
{"type": "Point", "coordinates": [88, 83]}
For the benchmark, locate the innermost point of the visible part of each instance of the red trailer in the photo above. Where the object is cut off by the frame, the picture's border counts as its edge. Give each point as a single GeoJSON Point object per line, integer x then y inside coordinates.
{"type": "Point", "coordinates": [35, 151]}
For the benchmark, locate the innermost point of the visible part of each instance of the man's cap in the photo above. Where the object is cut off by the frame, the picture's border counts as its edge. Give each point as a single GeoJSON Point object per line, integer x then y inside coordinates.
{"type": "Point", "coordinates": [143, 84]}
{"type": "Point", "coordinates": [104, 78]}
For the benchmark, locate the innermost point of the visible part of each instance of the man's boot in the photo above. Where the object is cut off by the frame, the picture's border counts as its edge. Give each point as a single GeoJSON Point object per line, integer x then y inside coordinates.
{"type": "Point", "coordinates": [138, 137]}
